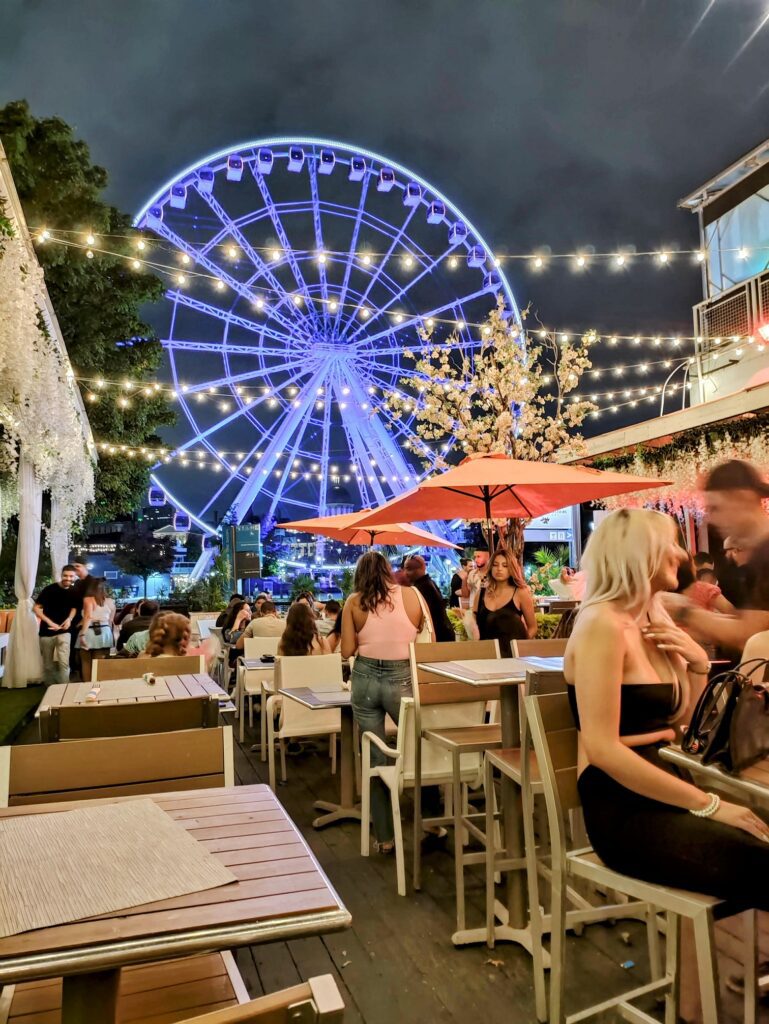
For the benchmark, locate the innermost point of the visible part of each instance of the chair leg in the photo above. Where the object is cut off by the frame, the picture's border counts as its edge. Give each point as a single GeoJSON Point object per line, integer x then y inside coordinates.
{"type": "Point", "coordinates": [400, 866]}
{"type": "Point", "coordinates": [240, 704]}
{"type": "Point", "coordinates": [557, 945]}
{"type": "Point", "coordinates": [417, 838]}
{"type": "Point", "coordinates": [263, 725]}
{"type": "Point", "coordinates": [459, 868]}
{"type": "Point", "coordinates": [282, 745]}
{"type": "Point", "coordinates": [250, 699]}
{"type": "Point", "coordinates": [491, 849]}
{"type": "Point", "coordinates": [358, 770]}
{"type": "Point", "coordinates": [750, 960]}
{"type": "Point", "coordinates": [672, 956]}
{"type": "Point", "coordinates": [271, 751]}
{"type": "Point", "coordinates": [535, 908]}
{"type": "Point", "coordinates": [653, 942]}
{"type": "Point", "coordinates": [365, 811]}
{"type": "Point", "coordinates": [707, 967]}
{"type": "Point", "coordinates": [332, 751]}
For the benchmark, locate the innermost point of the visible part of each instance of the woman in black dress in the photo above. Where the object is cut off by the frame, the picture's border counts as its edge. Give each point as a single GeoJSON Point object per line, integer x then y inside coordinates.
{"type": "Point", "coordinates": [504, 608]}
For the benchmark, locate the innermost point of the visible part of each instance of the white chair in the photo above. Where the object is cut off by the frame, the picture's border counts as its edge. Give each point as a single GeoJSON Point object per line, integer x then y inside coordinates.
{"type": "Point", "coordinates": [255, 682]}
{"type": "Point", "coordinates": [437, 765]}
{"type": "Point", "coordinates": [316, 672]}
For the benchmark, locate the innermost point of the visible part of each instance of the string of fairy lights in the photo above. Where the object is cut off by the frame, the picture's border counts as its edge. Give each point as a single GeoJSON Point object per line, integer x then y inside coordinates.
{"type": "Point", "coordinates": [579, 260]}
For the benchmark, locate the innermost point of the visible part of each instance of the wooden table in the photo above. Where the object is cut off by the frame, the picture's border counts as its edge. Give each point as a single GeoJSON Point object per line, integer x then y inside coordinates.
{"type": "Point", "coordinates": [508, 674]}
{"type": "Point", "coordinates": [179, 687]}
{"type": "Point", "coordinates": [346, 809]}
{"type": "Point", "coordinates": [281, 893]}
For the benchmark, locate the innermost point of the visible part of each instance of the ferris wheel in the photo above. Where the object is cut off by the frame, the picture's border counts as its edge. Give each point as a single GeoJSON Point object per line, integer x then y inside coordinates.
{"type": "Point", "coordinates": [306, 269]}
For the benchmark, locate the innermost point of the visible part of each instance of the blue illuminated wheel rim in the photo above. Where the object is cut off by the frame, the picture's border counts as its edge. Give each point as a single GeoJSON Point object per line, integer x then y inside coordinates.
{"type": "Point", "coordinates": [309, 266]}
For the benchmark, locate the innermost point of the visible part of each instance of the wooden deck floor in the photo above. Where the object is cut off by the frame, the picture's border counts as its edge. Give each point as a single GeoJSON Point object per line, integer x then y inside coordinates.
{"type": "Point", "coordinates": [397, 963]}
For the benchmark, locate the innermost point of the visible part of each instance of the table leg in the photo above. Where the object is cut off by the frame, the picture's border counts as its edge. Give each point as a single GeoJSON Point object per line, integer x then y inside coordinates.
{"type": "Point", "coordinates": [90, 997]}
{"type": "Point", "coordinates": [346, 810]}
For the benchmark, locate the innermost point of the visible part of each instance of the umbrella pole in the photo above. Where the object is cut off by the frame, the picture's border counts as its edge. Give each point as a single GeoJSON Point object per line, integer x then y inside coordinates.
{"type": "Point", "coordinates": [489, 523]}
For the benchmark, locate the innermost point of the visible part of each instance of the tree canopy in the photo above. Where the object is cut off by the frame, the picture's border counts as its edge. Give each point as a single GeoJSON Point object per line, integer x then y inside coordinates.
{"type": "Point", "coordinates": [98, 302]}
{"type": "Point", "coordinates": [141, 553]}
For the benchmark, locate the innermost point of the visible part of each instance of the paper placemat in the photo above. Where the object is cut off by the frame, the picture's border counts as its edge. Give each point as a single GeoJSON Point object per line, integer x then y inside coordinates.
{"type": "Point", "coordinates": [68, 865]}
{"type": "Point", "coordinates": [122, 689]}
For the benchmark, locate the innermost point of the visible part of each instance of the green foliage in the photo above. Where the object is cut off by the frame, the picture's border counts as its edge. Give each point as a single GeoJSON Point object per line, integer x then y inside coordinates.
{"type": "Point", "coordinates": [98, 301]}
{"type": "Point", "coordinates": [141, 553]}
{"type": "Point", "coordinates": [549, 564]}
{"type": "Point", "coordinates": [302, 582]}
{"type": "Point", "coordinates": [546, 625]}
{"type": "Point", "coordinates": [210, 594]}
{"type": "Point", "coordinates": [346, 582]}
{"type": "Point", "coordinates": [456, 618]}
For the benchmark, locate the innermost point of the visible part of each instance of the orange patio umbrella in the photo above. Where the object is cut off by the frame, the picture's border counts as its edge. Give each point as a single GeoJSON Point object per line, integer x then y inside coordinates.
{"type": "Point", "coordinates": [497, 487]}
{"type": "Point", "coordinates": [346, 528]}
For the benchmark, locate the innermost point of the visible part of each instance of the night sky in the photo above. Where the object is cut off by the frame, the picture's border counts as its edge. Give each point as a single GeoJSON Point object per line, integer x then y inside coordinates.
{"type": "Point", "coordinates": [560, 123]}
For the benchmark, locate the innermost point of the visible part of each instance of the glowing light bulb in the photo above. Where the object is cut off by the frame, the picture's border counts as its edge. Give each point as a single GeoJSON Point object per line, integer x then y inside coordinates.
{"type": "Point", "coordinates": [136, 265]}
{"type": "Point", "coordinates": [220, 286]}
{"type": "Point", "coordinates": [297, 300]}
{"type": "Point", "coordinates": [141, 245]}
{"type": "Point", "coordinates": [408, 262]}
{"type": "Point", "coordinates": [539, 262]}
{"type": "Point", "coordinates": [232, 252]}
{"type": "Point", "coordinates": [185, 259]}
{"type": "Point", "coordinates": [322, 258]}
{"type": "Point", "coordinates": [619, 260]}
{"type": "Point", "coordinates": [275, 255]}
{"type": "Point", "coordinates": [365, 313]}
{"type": "Point", "coordinates": [366, 260]}
{"type": "Point", "coordinates": [743, 253]}
{"type": "Point", "coordinates": [663, 257]}
{"type": "Point", "coordinates": [700, 257]}
{"type": "Point", "coordinates": [89, 254]}
{"type": "Point", "coordinates": [181, 279]}
{"type": "Point", "coordinates": [259, 304]}
{"type": "Point", "coordinates": [453, 263]}
{"type": "Point", "coordinates": [333, 305]}
{"type": "Point", "coordinates": [399, 318]}
{"type": "Point", "coordinates": [460, 325]}
{"type": "Point", "coordinates": [90, 240]}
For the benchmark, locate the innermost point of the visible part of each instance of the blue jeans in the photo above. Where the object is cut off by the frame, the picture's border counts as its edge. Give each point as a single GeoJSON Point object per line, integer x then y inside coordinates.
{"type": "Point", "coordinates": [377, 688]}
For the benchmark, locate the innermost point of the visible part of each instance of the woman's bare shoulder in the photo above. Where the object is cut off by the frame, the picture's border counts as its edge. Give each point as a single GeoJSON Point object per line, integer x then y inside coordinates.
{"type": "Point", "coordinates": [600, 620]}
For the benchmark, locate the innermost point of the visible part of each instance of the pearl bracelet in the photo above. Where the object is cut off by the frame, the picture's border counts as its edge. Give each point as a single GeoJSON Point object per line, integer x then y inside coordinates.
{"type": "Point", "coordinates": [710, 810]}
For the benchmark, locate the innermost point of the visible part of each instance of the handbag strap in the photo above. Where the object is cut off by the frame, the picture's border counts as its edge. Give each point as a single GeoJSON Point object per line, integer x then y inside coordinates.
{"type": "Point", "coordinates": [427, 622]}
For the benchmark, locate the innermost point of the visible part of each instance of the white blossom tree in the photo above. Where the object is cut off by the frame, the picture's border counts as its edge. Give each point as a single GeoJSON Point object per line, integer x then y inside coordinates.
{"type": "Point", "coordinates": [508, 395]}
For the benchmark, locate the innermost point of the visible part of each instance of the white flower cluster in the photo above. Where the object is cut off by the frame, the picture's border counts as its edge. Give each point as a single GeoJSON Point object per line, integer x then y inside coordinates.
{"type": "Point", "coordinates": [39, 403]}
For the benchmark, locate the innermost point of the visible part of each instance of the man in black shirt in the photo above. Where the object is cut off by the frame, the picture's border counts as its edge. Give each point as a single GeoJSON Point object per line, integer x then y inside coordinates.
{"type": "Point", "coordinates": [139, 623]}
{"type": "Point", "coordinates": [416, 570]}
{"type": "Point", "coordinates": [734, 500]}
{"type": "Point", "coordinates": [55, 608]}
{"type": "Point", "coordinates": [457, 580]}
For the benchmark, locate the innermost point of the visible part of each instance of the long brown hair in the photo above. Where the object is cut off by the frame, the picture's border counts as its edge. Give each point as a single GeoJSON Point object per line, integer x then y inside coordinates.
{"type": "Point", "coordinates": [96, 588]}
{"type": "Point", "coordinates": [515, 575]}
{"type": "Point", "coordinates": [300, 631]}
{"type": "Point", "coordinates": [373, 581]}
{"type": "Point", "coordinates": [168, 629]}
{"type": "Point", "coordinates": [235, 608]}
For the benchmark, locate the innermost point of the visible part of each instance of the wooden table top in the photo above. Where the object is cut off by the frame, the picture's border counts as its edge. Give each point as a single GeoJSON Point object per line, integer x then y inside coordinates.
{"type": "Point", "coordinates": [492, 671]}
{"type": "Point", "coordinates": [750, 785]}
{"type": "Point", "coordinates": [281, 892]}
{"type": "Point", "coordinates": [316, 700]}
{"type": "Point", "coordinates": [195, 685]}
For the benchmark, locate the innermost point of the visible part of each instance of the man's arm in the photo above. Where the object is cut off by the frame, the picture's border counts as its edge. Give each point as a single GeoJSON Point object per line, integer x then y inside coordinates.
{"type": "Point", "coordinates": [725, 630]}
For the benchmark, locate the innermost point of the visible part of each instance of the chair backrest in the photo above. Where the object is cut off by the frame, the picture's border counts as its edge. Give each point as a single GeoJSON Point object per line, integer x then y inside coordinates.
{"type": "Point", "coordinates": [116, 766]}
{"type": "Point", "coordinates": [318, 672]}
{"type": "Point", "coordinates": [430, 688]}
{"type": "Point", "coordinates": [86, 721]}
{"type": "Point", "coordinates": [204, 627]}
{"type": "Point", "coordinates": [256, 646]}
{"type": "Point", "coordinates": [133, 668]}
{"type": "Point", "coordinates": [317, 1001]}
{"type": "Point", "coordinates": [539, 648]}
{"type": "Point", "coordinates": [552, 734]}
{"type": "Point", "coordinates": [435, 765]}
{"type": "Point", "coordinates": [557, 607]}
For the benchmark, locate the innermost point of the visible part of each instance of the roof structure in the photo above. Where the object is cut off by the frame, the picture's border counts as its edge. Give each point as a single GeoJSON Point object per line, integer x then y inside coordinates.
{"type": "Point", "coordinates": [730, 178]}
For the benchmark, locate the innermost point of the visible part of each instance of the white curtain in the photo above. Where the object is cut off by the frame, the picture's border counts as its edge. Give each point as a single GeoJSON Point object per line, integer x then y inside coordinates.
{"type": "Point", "coordinates": [23, 663]}
{"type": "Point", "coordinates": [58, 539]}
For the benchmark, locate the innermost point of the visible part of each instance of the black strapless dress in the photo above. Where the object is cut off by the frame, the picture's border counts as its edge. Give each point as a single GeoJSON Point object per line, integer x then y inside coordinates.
{"type": "Point", "coordinates": [657, 842]}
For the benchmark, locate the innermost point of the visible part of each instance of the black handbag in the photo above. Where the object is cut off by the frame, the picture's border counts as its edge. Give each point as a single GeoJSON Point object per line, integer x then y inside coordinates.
{"type": "Point", "coordinates": [730, 724]}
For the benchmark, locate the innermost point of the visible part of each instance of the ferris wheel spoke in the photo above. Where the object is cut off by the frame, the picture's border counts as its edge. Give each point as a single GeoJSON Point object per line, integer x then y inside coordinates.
{"type": "Point", "coordinates": [280, 438]}
{"type": "Point", "coordinates": [231, 318]}
{"type": "Point", "coordinates": [401, 295]}
{"type": "Point", "coordinates": [288, 251]}
{"type": "Point", "coordinates": [218, 348]}
{"type": "Point", "coordinates": [237, 378]}
{"type": "Point", "coordinates": [360, 477]}
{"type": "Point", "coordinates": [396, 240]}
{"type": "Point", "coordinates": [317, 224]}
{"type": "Point", "coordinates": [325, 441]}
{"type": "Point", "coordinates": [233, 229]}
{"type": "Point", "coordinates": [218, 273]}
{"type": "Point", "coordinates": [415, 321]}
{"type": "Point", "coordinates": [376, 435]}
{"type": "Point", "coordinates": [351, 253]}
{"type": "Point", "coordinates": [283, 480]}
{"type": "Point", "coordinates": [363, 454]}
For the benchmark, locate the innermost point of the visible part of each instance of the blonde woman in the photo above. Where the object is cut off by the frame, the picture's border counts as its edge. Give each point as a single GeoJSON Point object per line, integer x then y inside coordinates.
{"type": "Point", "coordinates": [633, 677]}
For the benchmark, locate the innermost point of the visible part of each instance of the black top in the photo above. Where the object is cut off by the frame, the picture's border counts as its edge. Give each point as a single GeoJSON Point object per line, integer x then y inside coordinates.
{"type": "Point", "coordinates": [504, 624]}
{"type": "Point", "coordinates": [456, 584]}
{"type": "Point", "coordinates": [57, 602]}
{"type": "Point", "coordinates": [757, 578]}
{"type": "Point", "coordinates": [644, 707]}
{"type": "Point", "coordinates": [78, 593]}
{"type": "Point", "coordinates": [135, 625]}
{"type": "Point", "coordinates": [436, 606]}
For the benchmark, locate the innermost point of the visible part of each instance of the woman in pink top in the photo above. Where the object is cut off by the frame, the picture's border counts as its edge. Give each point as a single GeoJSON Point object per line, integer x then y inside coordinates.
{"type": "Point", "coordinates": [379, 621]}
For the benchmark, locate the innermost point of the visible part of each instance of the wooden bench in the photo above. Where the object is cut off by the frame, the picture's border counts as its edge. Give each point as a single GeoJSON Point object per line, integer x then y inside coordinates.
{"type": "Point", "coordinates": [133, 668]}
{"type": "Point", "coordinates": [205, 989]}
{"type": "Point", "coordinates": [88, 721]}
{"type": "Point", "coordinates": [117, 766]}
